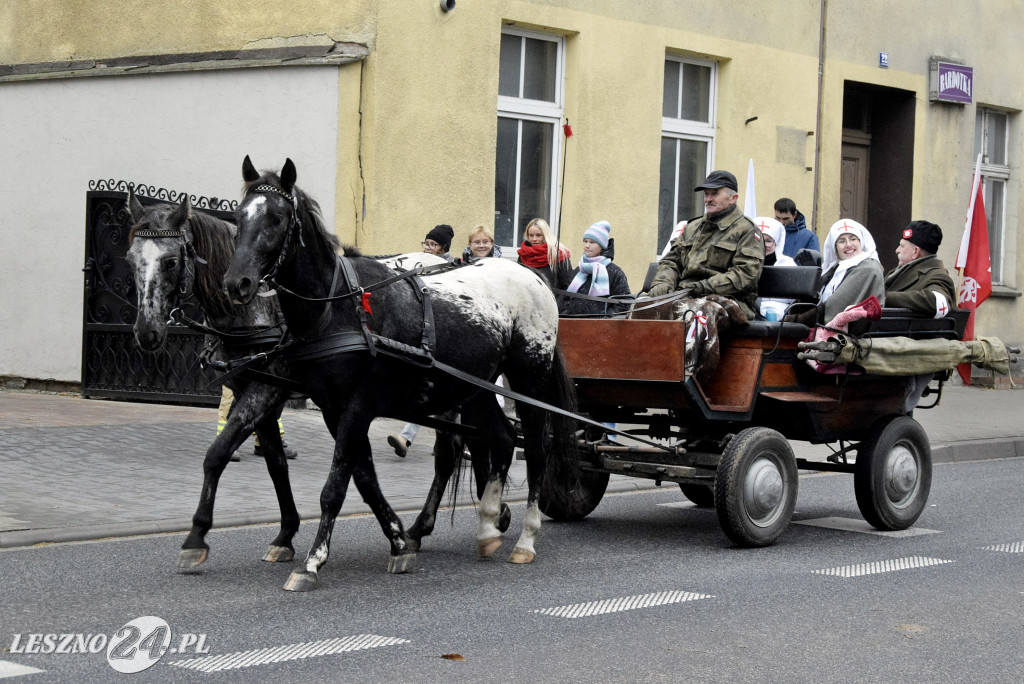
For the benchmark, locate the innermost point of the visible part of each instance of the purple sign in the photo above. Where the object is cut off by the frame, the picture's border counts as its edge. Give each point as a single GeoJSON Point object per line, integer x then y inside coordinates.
{"type": "Point", "coordinates": [952, 83]}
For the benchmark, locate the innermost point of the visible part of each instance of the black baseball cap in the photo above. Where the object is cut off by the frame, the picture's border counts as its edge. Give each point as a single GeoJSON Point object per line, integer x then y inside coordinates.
{"type": "Point", "coordinates": [718, 179]}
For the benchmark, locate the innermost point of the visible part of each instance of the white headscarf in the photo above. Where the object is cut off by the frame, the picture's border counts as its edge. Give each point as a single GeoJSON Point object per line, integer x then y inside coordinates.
{"type": "Point", "coordinates": [777, 232]}
{"type": "Point", "coordinates": [868, 251]}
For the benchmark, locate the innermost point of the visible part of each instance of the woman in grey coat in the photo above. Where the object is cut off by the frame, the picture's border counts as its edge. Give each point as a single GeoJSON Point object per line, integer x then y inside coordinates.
{"type": "Point", "coordinates": [852, 272]}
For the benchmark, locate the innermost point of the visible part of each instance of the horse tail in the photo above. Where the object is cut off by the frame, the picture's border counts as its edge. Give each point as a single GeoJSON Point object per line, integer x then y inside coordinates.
{"type": "Point", "coordinates": [561, 466]}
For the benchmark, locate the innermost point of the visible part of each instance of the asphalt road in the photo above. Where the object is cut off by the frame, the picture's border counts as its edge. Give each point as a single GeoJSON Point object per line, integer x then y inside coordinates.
{"type": "Point", "coordinates": [646, 589]}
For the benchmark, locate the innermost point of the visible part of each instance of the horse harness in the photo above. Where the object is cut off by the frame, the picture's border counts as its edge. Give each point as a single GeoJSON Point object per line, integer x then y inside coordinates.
{"type": "Point", "coordinates": [320, 347]}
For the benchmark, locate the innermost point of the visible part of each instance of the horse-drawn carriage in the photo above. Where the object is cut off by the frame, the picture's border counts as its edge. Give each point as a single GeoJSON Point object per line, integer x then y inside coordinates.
{"type": "Point", "coordinates": [726, 441]}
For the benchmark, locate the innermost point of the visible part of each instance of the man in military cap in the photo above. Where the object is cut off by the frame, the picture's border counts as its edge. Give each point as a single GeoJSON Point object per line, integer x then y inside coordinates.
{"type": "Point", "coordinates": [720, 252]}
{"type": "Point", "coordinates": [920, 282]}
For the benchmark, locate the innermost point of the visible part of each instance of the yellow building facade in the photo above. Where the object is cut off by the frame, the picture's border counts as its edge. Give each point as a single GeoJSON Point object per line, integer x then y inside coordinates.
{"type": "Point", "coordinates": [452, 112]}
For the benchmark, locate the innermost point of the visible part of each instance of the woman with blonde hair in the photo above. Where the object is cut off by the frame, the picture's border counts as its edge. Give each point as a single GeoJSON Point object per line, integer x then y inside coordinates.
{"type": "Point", "coordinates": [546, 257]}
{"type": "Point", "coordinates": [480, 245]}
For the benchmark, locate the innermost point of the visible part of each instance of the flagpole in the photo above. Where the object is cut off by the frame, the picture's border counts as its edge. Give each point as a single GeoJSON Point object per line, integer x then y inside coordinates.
{"type": "Point", "coordinates": [961, 256]}
{"type": "Point", "coordinates": [567, 133]}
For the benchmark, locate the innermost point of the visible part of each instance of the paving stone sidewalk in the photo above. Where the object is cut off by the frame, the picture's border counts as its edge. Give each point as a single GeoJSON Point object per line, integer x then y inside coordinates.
{"type": "Point", "coordinates": [76, 469]}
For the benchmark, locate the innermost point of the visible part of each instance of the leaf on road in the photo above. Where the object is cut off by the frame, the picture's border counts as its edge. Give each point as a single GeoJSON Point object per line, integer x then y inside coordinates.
{"type": "Point", "coordinates": [453, 656]}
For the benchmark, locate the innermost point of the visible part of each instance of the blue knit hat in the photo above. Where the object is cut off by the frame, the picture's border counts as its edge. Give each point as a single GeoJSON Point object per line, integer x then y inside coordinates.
{"type": "Point", "coordinates": [599, 232]}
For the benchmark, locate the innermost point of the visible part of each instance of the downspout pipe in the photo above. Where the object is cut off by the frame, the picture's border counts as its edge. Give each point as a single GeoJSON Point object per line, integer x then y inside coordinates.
{"type": "Point", "coordinates": [817, 118]}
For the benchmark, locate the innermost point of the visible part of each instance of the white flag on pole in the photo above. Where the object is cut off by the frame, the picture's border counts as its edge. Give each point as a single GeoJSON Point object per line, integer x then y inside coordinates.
{"type": "Point", "coordinates": [750, 197]}
{"type": "Point", "coordinates": [965, 241]}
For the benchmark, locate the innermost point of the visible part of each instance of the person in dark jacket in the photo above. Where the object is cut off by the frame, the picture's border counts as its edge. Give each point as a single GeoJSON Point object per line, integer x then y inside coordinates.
{"type": "Point", "coordinates": [541, 254]}
{"type": "Point", "coordinates": [920, 282]}
{"type": "Point", "coordinates": [596, 276]}
{"type": "Point", "coordinates": [439, 241]}
{"type": "Point", "coordinates": [798, 235]}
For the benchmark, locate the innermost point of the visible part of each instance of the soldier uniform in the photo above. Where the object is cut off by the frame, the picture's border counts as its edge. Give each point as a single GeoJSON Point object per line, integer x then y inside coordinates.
{"type": "Point", "coordinates": [722, 256]}
{"type": "Point", "coordinates": [921, 285]}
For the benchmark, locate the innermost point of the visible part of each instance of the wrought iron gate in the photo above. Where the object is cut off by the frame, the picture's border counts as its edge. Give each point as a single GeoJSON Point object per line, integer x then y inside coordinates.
{"type": "Point", "coordinates": [113, 365]}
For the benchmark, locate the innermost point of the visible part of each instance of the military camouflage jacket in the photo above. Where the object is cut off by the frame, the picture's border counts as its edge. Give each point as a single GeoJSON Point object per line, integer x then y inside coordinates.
{"type": "Point", "coordinates": [722, 258]}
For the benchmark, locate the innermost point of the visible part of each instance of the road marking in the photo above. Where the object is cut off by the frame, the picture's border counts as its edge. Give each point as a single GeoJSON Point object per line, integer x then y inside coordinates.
{"type": "Point", "coordinates": [882, 566]}
{"type": "Point", "coordinates": [679, 504]}
{"type": "Point", "coordinates": [9, 669]}
{"type": "Point", "coordinates": [280, 654]}
{"type": "Point", "coordinates": [853, 525]}
{"type": "Point", "coordinates": [1014, 547]}
{"type": "Point", "coordinates": [617, 605]}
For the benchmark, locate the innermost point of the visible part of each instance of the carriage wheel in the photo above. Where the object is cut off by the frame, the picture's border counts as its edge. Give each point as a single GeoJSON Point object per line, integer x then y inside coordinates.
{"type": "Point", "coordinates": [893, 473]}
{"type": "Point", "coordinates": [577, 503]}
{"type": "Point", "coordinates": [756, 486]}
{"type": "Point", "coordinates": [702, 495]}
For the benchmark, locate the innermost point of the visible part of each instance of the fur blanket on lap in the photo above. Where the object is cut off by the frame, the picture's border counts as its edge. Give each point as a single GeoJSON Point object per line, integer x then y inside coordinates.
{"type": "Point", "coordinates": [707, 318]}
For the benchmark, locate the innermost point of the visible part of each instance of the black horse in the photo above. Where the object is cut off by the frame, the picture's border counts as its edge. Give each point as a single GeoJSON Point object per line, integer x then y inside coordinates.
{"type": "Point", "coordinates": [176, 252]}
{"type": "Point", "coordinates": [362, 356]}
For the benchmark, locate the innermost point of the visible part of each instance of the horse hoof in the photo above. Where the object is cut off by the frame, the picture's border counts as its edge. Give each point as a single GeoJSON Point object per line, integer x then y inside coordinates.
{"type": "Point", "coordinates": [301, 580]}
{"type": "Point", "coordinates": [521, 556]}
{"type": "Point", "coordinates": [487, 547]}
{"type": "Point", "coordinates": [279, 554]}
{"type": "Point", "coordinates": [189, 559]}
{"type": "Point", "coordinates": [505, 517]}
{"type": "Point", "coordinates": [402, 563]}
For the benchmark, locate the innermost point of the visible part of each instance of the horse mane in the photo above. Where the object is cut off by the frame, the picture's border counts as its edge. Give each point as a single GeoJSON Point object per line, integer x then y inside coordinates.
{"type": "Point", "coordinates": [308, 209]}
{"type": "Point", "coordinates": [214, 241]}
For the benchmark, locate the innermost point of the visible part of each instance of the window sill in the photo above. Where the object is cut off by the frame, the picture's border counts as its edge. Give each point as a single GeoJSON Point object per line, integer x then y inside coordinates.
{"type": "Point", "coordinates": [1005, 292]}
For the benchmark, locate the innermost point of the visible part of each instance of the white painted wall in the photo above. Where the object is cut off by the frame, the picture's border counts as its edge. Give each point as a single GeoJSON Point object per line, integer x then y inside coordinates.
{"type": "Point", "coordinates": [186, 132]}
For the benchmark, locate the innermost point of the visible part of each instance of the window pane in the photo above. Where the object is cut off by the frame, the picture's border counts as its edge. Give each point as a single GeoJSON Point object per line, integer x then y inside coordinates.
{"type": "Point", "coordinates": [508, 68]}
{"type": "Point", "coordinates": [994, 198]}
{"type": "Point", "coordinates": [539, 79]}
{"type": "Point", "coordinates": [996, 151]}
{"type": "Point", "coordinates": [505, 180]}
{"type": "Point", "coordinates": [693, 161]}
{"type": "Point", "coordinates": [667, 190]}
{"type": "Point", "coordinates": [979, 128]}
{"type": "Point", "coordinates": [535, 177]}
{"type": "Point", "coordinates": [670, 105]}
{"type": "Point", "coordinates": [696, 92]}
{"type": "Point", "coordinates": [683, 167]}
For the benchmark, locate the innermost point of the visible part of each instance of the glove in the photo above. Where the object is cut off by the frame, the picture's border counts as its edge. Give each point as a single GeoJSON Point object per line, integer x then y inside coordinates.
{"type": "Point", "coordinates": [659, 289]}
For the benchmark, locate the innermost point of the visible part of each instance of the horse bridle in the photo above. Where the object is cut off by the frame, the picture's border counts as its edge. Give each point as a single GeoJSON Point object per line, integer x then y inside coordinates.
{"type": "Point", "coordinates": [189, 257]}
{"type": "Point", "coordinates": [294, 227]}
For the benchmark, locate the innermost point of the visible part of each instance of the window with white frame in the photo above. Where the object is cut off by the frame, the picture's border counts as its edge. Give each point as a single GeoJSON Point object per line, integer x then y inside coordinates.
{"type": "Point", "coordinates": [687, 140]}
{"type": "Point", "coordinates": [530, 108]}
{"type": "Point", "coordinates": [990, 140]}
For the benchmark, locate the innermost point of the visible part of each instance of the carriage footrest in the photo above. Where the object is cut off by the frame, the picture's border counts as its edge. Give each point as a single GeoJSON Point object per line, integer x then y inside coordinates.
{"type": "Point", "coordinates": [655, 471]}
{"type": "Point", "coordinates": [803, 397]}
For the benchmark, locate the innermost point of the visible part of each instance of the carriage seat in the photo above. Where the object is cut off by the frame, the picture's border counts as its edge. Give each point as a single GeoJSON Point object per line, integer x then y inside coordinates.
{"type": "Point", "coordinates": [799, 283]}
{"type": "Point", "coordinates": [904, 323]}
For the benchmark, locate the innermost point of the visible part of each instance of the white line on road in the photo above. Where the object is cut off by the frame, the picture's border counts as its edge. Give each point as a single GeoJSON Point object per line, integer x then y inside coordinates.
{"type": "Point", "coordinates": [1014, 547]}
{"type": "Point", "coordinates": [9, 669]}
{"type": "Point", "coordinates": [278, 654]}
{"type": "Point", "coordinates": [616, 605]}
{"type": "Point", "coordinates": [853, 525]}
{"type": "Point", "coordinates": [882, 566]}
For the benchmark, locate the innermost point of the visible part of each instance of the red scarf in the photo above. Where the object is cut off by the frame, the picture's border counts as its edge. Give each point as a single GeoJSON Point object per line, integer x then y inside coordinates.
{"type": "Point", "coordinates": [536, 256]}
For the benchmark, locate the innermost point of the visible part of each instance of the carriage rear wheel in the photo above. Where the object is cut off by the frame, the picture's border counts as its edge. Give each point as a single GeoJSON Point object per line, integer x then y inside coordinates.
{"type": "Point", "coordinates": [893, 473]}
{"type": "Point", "coordinates": [702, 495]}
{"type": "Point", "coordinates": [576, 503]}
{"type": "Point", "coordinates": [756, 486]}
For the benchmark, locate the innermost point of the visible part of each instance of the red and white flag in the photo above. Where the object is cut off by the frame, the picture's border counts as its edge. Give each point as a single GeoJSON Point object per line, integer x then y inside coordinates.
{"type": "Point", "coordinates": [975, 265]}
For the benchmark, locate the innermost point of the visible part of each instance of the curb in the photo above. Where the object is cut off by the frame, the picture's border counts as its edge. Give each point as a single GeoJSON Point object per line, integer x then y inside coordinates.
{"type": "Point", "coordinates": [955, 452]}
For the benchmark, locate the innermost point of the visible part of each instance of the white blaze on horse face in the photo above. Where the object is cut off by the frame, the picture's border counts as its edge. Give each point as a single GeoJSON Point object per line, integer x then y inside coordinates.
{"type": "Point", "coordinates": [256, 207]}
{"type": "Point", "coordinates": [148, 271]}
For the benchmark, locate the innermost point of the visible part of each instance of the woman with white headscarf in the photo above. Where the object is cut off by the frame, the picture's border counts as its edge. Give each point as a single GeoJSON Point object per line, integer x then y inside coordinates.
{"type": "Point", "coordinates": [852, 272]}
